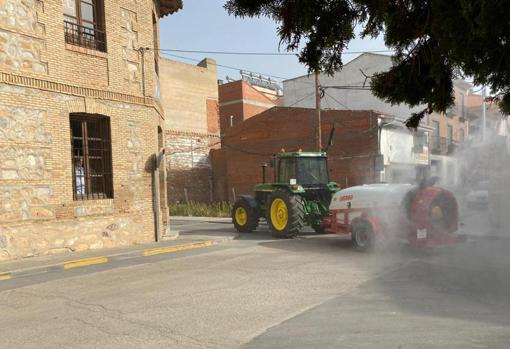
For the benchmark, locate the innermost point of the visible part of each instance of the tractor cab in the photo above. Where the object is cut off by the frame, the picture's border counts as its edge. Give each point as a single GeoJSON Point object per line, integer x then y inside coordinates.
{"type": "Point", "coordinates": [310, 170]}
{"type": "Point", "coordinates": [298, 196]}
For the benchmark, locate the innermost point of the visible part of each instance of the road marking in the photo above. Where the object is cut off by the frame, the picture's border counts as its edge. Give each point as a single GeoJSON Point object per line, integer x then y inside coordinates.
{"type": "Point", "coordinates": [85, 262]}
{"type": "Point", "coordinates": [5, 276]}
{"type": "Point", "coordinates": [170, 249]}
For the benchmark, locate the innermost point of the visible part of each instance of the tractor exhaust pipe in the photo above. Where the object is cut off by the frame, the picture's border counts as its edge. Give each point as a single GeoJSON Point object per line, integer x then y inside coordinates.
{"type": "Point", "coordinates": [264, 165]}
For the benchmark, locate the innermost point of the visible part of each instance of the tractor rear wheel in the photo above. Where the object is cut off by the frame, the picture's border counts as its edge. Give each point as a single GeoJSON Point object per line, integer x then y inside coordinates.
{"type": "Point", "coordinates": [285, 213]}
{"type": "Point", "coordinates": [362, 236]}
{"type": "Point", "coordinates": [244, 217]}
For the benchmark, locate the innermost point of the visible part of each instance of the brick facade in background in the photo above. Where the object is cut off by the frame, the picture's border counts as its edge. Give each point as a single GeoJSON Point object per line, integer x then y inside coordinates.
{"type": "Point", "coordinates": [42, 81]}
{"type": "Point", "coordinates": [237, 165]}
{"type": "Point", "coordinates": [190, 101]}
{"type": "Point", "coordinates": [239, 101]}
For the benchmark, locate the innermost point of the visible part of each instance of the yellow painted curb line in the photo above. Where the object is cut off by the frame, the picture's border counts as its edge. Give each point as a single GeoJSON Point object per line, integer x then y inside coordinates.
{"type": "Point", "coordinates": [170, 249]}
{"type": "Point", "coordinates": [5, 276]}
{"type": "Point", "coordinates": [85, 262]}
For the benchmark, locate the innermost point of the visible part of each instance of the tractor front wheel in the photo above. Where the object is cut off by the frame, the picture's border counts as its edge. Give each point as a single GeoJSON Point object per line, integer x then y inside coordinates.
{"type": "Point", "coordinates": [244, 217]}
{"type": "Point", "coordinates": [285, 214]}
{"type": "Point", "coordinates": [362, 236]}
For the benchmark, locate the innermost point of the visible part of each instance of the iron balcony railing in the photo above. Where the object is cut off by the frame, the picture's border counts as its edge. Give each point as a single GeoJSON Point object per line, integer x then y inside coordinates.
{"type": "Point", "coordinates": [79, 35]}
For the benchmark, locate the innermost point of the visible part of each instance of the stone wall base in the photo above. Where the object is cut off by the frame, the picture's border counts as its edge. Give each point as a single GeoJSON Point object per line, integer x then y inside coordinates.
{"type": "Point", "coordinates": [46, 238]}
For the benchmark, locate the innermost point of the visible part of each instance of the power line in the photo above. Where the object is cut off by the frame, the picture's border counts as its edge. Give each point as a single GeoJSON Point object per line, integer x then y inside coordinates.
{"type": "Point", "coordinates": [223, 66]}
{"type": "Point", "coordinates": [230, 52]}
{"type": "Point", "coordinates": [336, 100]}
{"type": "Point", "coordinates": [281, 78]}
{"type": "Point", "coordinates": [259, 53]}
{"type": "Point", "coordinates": [301, 99]}
{"type": "Point", "coordinates": [348, 87]}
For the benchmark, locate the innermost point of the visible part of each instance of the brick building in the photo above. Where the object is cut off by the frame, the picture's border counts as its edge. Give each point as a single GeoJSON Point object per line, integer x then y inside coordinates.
{"type": "Point", "coordinates": [190, 101]}
{"type": "Point", "coordinates": [240, 100]}
{"type": "Point", "coordinates": [80, 123]}
{"type": "Point", "coordinates": [354, 158]}
{"type": "Point", "coordinates": [449, 129]}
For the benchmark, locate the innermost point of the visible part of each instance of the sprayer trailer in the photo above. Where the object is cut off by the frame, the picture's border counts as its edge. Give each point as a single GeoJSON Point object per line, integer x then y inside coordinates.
{"type": "Point", "coordinates": [424, 215]}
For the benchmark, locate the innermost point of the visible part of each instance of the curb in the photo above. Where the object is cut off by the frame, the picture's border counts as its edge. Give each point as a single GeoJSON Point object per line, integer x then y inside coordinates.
{"type": "Point", "coordinates": [86, 262]}
{"type": "Point", "coordinates": [170, 249]}
{"type": "Point", "coordinates": [200, 219]}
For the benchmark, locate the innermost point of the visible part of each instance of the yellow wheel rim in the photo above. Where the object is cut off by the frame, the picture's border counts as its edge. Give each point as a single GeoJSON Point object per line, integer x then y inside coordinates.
{"type": "Point", "coordinates": [279, 214]}
{"type": "Point", "coordinates": [436, 213]}
{"type": "Point", "coordinates": [241, 216]}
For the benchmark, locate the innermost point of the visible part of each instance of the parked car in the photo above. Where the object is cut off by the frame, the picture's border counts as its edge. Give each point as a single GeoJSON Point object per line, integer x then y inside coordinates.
{"type": "Point", "coordinates": [478, 196]}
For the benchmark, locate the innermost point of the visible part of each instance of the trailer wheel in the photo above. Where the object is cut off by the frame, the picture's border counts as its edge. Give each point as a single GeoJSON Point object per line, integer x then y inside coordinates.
{"type": "Point", "coordinates": [244, 217]}
{"type": "Point", "coordinates": [285, 214]}
{"type": "Point", "coordinates": [362, 236]}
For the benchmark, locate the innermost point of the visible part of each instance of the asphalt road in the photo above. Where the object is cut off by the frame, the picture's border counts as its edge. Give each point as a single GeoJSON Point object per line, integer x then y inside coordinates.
{"type": "Point", "coordinates": [256, 292]}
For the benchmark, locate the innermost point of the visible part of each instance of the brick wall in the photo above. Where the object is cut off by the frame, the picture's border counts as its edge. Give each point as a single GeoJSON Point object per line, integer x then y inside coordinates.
{"type": "Point", "coordinates": [190, 101]}
{"type": "Point", "coordinates": [246, 146]}
{"type": "Point", "coordinates": [185, 89]}
{"type": "Point", "coordinates": [241, 101]}
{"type": "Point", "coordinates": [189, 167]}
{"type": "Point", "coordinates": [42, 82]}
{"type": "Point", "coordinates": [213, 119]}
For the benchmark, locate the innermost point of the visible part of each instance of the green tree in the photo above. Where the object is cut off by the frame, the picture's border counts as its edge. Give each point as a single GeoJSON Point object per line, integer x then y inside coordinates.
{"type": "Point", "coordinates": [435, 41]}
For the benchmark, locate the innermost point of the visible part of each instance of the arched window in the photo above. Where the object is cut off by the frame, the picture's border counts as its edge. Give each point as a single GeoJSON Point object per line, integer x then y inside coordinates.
{"type": "Point", "coordinates": [84, 23]}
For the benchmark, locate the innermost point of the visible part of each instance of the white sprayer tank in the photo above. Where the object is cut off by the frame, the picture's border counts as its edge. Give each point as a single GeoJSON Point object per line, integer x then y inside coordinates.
{"type": "Point", "coordinates": [370, 196]}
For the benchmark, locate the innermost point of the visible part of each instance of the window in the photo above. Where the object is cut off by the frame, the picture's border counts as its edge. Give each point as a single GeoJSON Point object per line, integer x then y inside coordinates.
{"type": "Point", "coordinates": [312, 171]}
{"type": "Point", "coordinates": [450, 134]}
{"type": "Point", "coordinates": [436, 134]}
{"type": "Point", "coordinates": [461, 135]}
{"type": "Point", "coordinates": [84, 24]}
{"type": "Point", "coordinates": [91, 156]}
{"type": "Point", "coordinates": [287, 170]}
{"type": "Point", "coordinates": [419, 141]}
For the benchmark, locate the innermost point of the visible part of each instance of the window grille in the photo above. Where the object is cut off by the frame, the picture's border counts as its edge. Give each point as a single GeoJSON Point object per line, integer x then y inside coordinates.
{"type": "Point", "coordinates": [91, 156]}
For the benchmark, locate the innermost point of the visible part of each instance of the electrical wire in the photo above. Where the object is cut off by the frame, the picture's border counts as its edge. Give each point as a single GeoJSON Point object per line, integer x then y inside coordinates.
{"type": "Point", "coordinates": [164, 51]}
{"type": "Point", "coordinates": [347, 87]}
{"type": "Point", "coordinates": [300, 100]}
{"type": "Point", "coordinates": [258, 53]}
{"type": "Point", "coordinates": [336, 100]}
{"type": "Point", "coordinates": [223, 66]}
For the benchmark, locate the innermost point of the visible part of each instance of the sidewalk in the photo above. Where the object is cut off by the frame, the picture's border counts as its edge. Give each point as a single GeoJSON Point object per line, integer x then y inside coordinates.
{"type": "Point", "coordinates": [21, 267]}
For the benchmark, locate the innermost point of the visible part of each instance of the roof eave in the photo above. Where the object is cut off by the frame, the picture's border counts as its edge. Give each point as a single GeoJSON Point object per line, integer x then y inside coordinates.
{"type": "Point", "coordinates": [168, 7]}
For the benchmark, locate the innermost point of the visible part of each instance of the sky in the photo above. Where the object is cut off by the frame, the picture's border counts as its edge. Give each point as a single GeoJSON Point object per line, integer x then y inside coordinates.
{"type": "Point", "coordinates": [204, 25]}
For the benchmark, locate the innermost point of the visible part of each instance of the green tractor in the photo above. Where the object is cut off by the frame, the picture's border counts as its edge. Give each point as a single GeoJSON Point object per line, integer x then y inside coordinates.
{"type": "Point", "coordinates": [299, 196]}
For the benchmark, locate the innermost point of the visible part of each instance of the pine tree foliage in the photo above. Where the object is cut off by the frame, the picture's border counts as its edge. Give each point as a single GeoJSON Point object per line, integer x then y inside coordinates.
{"type": "Point", "coordinates": [435, 41]}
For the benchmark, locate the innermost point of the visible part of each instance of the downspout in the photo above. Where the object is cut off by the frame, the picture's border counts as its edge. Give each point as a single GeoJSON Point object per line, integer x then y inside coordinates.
{"type": "Point", "coordinates": [142, 66]}
{"type": "Point", "coordinates": [157, 159]}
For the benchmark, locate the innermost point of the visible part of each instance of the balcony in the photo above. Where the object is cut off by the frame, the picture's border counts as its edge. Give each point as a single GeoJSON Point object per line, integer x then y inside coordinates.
{"type": "Point", "coordinates": [442, 145]}
{"type": "Point", "coordinates": [91, 38]}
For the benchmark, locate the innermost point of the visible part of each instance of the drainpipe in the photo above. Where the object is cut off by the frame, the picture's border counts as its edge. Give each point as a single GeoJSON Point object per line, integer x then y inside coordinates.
{"type": "Point", "coordinates": [142, 66]}
{"type": "Point", "coordinates": [155, 193]}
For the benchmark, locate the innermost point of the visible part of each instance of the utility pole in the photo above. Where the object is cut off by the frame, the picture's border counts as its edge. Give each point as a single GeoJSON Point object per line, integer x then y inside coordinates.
{"type": "Point", "coordinates": [318, 134]}
{"type": "Point", "coordinates": [484, 116]}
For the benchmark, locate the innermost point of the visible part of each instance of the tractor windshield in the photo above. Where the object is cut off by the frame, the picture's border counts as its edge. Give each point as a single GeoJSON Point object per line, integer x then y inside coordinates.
{"type": "Point", "coordinates": [312, 171]}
